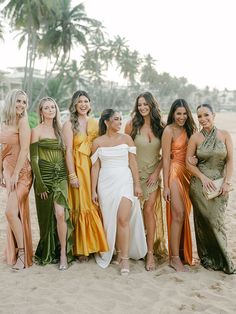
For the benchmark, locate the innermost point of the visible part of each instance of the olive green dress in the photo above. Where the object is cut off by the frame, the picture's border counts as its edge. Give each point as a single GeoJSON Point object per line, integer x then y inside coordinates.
{"type": "Point", "coordinates": [48, 164]}
{"type": "Point", "coordinates": [209, 214]}
{"type": "Point", "coordinates": [148, 158]}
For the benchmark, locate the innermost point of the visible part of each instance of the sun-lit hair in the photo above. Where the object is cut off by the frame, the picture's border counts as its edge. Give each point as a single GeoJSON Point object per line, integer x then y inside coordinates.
{"type": "Point", "coordinates": [190, 125]}
{"type": "Point", "coordinates": [56, 120]}
{"type": "Point", "coordinates": [9, 109]}
{"type": "Point", "coordinates": [73, 111]}
{"type": "Point", "coordinates": [156, 122]}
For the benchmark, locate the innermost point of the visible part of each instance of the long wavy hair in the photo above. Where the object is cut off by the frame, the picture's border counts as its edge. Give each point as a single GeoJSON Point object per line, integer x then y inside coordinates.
{"type": "Point", "coordinates": [106, 115]}
{"type": "Point", "coordinates": [9, 109]}
{"type": "Point", "coordinates": [190, 125]}
{"type": "Point", "coordinates": [157, 125]}
{"type": "Point", "coordinates": [56, 120]}
{"type": "Point", "coordinates": [73, 111]}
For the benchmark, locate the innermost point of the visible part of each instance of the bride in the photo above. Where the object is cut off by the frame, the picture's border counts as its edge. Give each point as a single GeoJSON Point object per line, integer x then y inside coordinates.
{"type": "Point", "coordinates": [116, 186]}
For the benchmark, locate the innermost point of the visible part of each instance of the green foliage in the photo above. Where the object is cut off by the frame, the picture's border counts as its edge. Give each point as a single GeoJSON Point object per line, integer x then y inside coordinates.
{"type": "Point", "coordinates": [33, 119]}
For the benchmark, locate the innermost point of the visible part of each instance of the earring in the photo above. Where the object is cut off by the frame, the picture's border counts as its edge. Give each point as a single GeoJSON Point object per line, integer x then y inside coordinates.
{"type": "Point", "coordinates": [42, 119]}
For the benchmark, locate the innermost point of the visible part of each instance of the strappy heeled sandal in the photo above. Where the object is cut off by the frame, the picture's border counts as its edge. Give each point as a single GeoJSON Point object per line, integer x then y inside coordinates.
{"type": "Point", "coordinates": [124, 271]}
{"type": "Point", "coordinates": [63, 266]}
{"type": "Point", "coordinates": [20, 258]}
{"type": "Point", "coordinates": [116, 261]}
{"type": "Point", "coordinates": [177, 268]}
{"type": "Point", "coordinates": [150, 266]}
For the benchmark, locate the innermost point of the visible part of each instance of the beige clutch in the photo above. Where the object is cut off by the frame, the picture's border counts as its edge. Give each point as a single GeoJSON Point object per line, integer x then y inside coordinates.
{"type": "Point", "coordinates": [212, 194]}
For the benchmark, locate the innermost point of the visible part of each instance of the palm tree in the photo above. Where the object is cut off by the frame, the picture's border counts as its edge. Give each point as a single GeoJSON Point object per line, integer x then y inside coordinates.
{"type": "Point", "coordinates": [128, 63]}
{"type": "Point", "coordinates": [149, 74]}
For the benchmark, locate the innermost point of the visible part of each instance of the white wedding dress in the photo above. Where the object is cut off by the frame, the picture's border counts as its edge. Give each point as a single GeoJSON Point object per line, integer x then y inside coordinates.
{"type": "Point", "coordinates": [114, 182]}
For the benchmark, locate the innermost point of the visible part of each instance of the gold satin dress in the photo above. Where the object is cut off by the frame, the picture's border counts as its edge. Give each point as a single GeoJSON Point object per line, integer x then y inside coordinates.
{"type": "Point", "coordinates": [180, 175]}
{"type": "Point", "coordinates": [89, 235]}
{"type": "Point", "coordinates": [10, 153]}
{"type": "Point", "coordinates": [148, 158]}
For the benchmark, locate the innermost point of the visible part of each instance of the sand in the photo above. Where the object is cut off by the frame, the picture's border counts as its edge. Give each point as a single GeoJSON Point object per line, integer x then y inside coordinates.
{"type": "Point", "coordinates": [86, 288]}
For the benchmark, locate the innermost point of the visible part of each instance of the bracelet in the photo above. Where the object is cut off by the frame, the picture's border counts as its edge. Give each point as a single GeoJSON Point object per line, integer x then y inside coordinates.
{"type": "Point", "coordinates": [72, 176]}
{"type": "Point", "coordinates": [228, 182]}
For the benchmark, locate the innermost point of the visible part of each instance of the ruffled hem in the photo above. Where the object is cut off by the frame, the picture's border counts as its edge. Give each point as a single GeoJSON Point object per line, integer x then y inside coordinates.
{"type": "Point", "coordinates": [89, 235]}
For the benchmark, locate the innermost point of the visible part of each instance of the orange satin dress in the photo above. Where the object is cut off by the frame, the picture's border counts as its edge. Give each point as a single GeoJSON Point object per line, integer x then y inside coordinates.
{"type": "Point", "coordinates": [89, 235]}
{"type": "Point", "coordinates": [180, 175]}
{"type": "Point", "coordinates": [9, 152]}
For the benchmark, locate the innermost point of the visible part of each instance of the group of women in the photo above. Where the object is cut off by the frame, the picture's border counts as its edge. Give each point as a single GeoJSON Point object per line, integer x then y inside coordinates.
{"type": "Point", "coordinates": [99, 191]}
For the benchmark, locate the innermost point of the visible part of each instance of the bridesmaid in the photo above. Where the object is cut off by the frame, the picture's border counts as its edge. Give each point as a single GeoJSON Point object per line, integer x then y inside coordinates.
{"type": "Point", "coordinates": [50, 186]}
{"type": "Point", "coordinates": [146, 129]}
{"type": "Point", "coordinates": [16, 176]}
{"type": "Point", "coordinates": [79, 132]}
{"type": "Point", "coordinates": [214, 150]}
{"type": "Point", "coordinates": [180, 126]}
{"type": "Point", "coordinates": [115, 181]}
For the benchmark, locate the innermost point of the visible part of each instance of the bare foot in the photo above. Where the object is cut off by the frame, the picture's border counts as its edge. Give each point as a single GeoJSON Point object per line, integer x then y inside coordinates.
{"type": "Point", "coordinates": [177, 265]}
{"type": "Point", "coordinates": [150, 261]}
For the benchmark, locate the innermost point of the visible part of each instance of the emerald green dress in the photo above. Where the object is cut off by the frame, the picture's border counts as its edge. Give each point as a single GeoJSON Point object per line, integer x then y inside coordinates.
{"type": "Point", "coordinates": [48, 164]}
{"type": "Point", "coordinates": [209, 214]}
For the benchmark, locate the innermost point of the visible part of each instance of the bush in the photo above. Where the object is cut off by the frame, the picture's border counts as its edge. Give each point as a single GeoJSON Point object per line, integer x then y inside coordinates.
{"type": "Point", "coordinates": [33, 119]}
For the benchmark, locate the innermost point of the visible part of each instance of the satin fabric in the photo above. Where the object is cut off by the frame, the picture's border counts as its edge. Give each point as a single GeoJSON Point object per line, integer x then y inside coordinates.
{"type": "Point", "coordinates": [180, 175]}
{"type": "Point", "coordinates": [48, 163]}
{"type": "Point", "coordinates": [10, 153]}
{"type": "Point", "coordinates": [89, 235]}
{"type": "Point", "coordinates": [115, 182]}
{"type": "Point", "coordinates": [209, 215]}
{"type": "Point", "coordinates": [148, 158]}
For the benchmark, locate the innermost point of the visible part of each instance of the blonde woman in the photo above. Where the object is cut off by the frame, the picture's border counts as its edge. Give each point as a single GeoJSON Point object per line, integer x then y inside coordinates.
{"type": "Point", "coordinates": [50, 186]}
{"type": "Point", "coordinates": [16, 176]}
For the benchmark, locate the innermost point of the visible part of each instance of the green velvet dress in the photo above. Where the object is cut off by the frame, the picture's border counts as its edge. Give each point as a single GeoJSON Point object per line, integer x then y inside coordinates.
{"type": "Point", "coordinates": [48, 164]}
{"type": "Point", "coordinates": [209, 214]}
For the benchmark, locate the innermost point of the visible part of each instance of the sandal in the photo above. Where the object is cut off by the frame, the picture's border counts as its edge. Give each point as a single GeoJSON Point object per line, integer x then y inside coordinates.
{"type": "Point", "coordinates": [117, 259]}
{"type": "Point", "coordinates": [124, 270]}
{"type": "Point", "coordinates": [150, 266]}
{"type": "Point", "coordinates": [20, 262]}
{"type": "Point", "coordinates": [63, 265]}
{"type": "Point", "coordinates": [177, 265]}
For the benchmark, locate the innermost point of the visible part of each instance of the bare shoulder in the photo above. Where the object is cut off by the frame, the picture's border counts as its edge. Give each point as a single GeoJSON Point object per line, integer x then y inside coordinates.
{"type": "Point", "coordinates": [67, 125]}
{"type": "Point", "coordinates": [127, 139]}
{"type": "Point", "coordinates": [224, 133]}
{"type": "Point", "coordinates": [168, 130]}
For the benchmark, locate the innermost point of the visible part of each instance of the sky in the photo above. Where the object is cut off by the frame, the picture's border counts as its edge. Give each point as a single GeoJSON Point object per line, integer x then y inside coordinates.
{"type": "Point", "coordinates": [190, 38]}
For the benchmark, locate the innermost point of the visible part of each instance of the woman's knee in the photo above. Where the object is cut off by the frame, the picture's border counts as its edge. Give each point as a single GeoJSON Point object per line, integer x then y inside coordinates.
{"type": "Point", "coordinates": [149, 209]}
{"type": "Point", "coordinates": [123, 222]}
{"type": "Point", "coordinates": [178, 215]}
{"type": "Point", "coordinates": [60, 215]}
{"type": "Point", "coordinates": [10, 214]}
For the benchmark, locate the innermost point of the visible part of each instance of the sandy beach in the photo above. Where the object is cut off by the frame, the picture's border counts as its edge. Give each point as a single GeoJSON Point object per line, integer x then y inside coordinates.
{"type": "Point", "coordinates": [86, 288]}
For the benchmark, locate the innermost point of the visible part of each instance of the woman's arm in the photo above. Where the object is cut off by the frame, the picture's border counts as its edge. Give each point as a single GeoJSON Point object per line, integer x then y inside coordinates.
{"type": "Point", "coordinates": [134, 168]}
{"type": "Point", "coordinates": [166, 152]}
{"type": "Point", "coordinates": [128, 127]}
{"type": "Point", "coordinates": [94, 174]}
{"type": "Point", "coordinates": [68, 139]}
{"type": "Point", "coordinates": [2, 183]}
{"type": "Point", "coordinates": [153, 178]}
{"type": "Point", "coordinates": [229, 168]}
{"type": "Point", "coordinates": [24, 138]}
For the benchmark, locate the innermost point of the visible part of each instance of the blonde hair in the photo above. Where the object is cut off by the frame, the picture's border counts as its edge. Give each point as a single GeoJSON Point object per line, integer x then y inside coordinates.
{"type": "Point", "coordinates": [9, 109]}
{"type": "Point", "coordinates": [56, 120]}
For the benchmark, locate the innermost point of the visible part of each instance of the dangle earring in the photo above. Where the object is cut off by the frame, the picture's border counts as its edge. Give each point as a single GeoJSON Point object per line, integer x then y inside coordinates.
{"type": "Point", "coordinates": [42, 119]}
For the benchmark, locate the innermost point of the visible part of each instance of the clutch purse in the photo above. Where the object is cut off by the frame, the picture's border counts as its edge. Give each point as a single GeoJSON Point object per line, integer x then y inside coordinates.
{"type": "Point", "coordinates": [212, 194]}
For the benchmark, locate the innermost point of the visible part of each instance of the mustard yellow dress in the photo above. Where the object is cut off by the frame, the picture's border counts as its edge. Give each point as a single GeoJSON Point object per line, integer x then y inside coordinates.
{"type": "Point", "coordinates": [89, 235]}
{"type": "Point", "coordinates": [148, 158]}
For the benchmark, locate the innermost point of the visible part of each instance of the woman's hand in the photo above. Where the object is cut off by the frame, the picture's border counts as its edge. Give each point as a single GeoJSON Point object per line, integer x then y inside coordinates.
{"type": "Point", "coordinates": [44, 196]}
{"type": "Point", "coordinates": [166, 194]}
{"type": "Point", "coordinates": [95, 198]}
{"type": "Point", "coordinates": [207, 183]}
{"type": "Point", "coordinates": [153, 178]}
{"type": "Point", "coordinates": [13, 181]}
{"type": "Point", "coordinates": [138, 191]}
{"type": "Point", "coordinates": [2, 181]}
{"type": "Point", "coordinates": [74, 183]}
{"type": "Point", "coordinates": [225, 188]}
{"type": "Point", "coordinates": [193, 160]}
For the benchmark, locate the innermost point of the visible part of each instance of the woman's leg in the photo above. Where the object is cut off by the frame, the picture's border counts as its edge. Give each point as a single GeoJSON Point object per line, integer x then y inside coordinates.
{"type": "Point", "coordinates": [178, 215]}
{"type": "Point", "coordinates": [12, 215]}
{"type": "Point", "coordinates": [62, 232]}
{"type": "Point", "coordinates": [123, 231]}
{"type": "Point", "coordinates": [150, 226]}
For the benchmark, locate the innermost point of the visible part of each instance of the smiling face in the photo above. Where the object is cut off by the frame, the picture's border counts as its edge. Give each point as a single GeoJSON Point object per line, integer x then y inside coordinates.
{"type": "Point", "coordinates": [83, 105]}
{"type": "Point", "coordinates": [115, 122]}
{"type": "Point", "coordinates": [180, 116]}
{"type": "Point", "coordinates": [48, 110]}
{"type": "Point", "coordinates": [143, 107]}
{"type": "Point", "coordinates": [205, 117]}
{"type": "Point", "coordinates": [21, 104]}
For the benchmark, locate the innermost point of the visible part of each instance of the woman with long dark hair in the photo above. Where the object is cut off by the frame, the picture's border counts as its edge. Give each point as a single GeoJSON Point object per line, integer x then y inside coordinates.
{"type": "Point", "coordinates": [115, 183]}
{"type": "Point", "coordinates": [145, 128]}
{"type": "Point", "coordinates": [214, 150]}
{"type": "Point", "coordinates": [16, 177]}
{"type": "Point", "coordinates": [79, 132]}
{"type": "Point", "coordinates": [180, 126]}
{"type": "Point", "coordinates": [50, 186]}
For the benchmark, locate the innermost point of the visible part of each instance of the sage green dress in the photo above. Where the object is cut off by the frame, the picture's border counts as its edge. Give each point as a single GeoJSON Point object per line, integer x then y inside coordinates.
{"type": "Point", "coordinates": [209, 214]}
{"type": "Point", "coordinates": [48, 164]}
{"type": "Point", "coordinates": [148, 158]}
